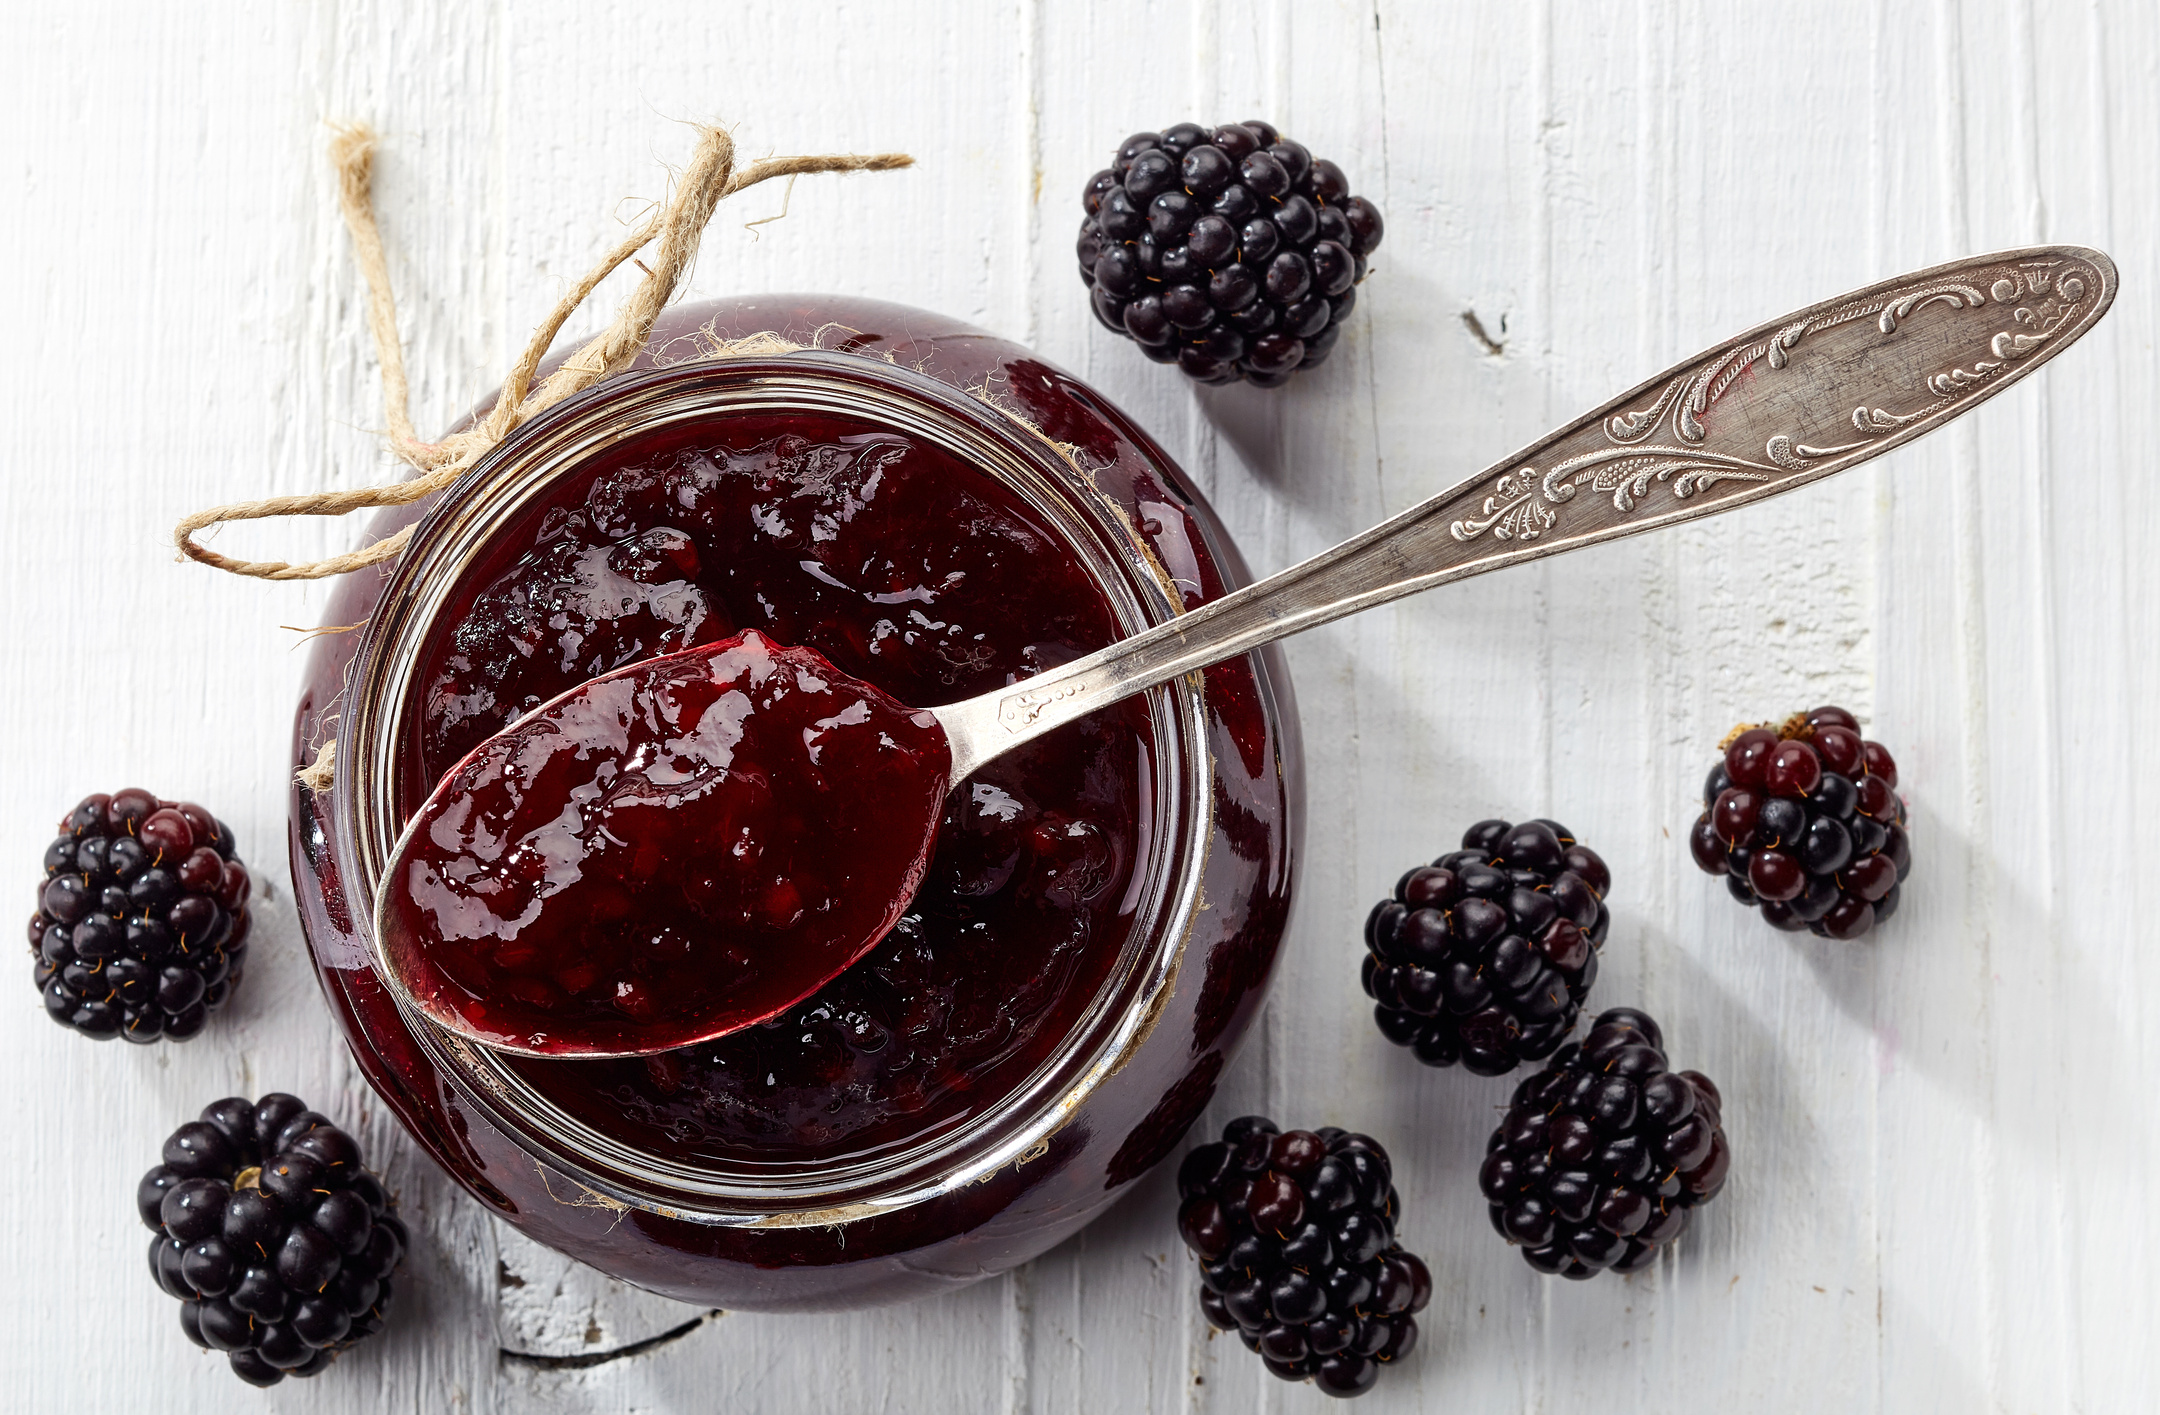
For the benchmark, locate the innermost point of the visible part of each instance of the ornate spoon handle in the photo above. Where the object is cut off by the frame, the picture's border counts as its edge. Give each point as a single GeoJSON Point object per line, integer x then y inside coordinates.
{"type": "Point", "coordinates": [1780, 406]}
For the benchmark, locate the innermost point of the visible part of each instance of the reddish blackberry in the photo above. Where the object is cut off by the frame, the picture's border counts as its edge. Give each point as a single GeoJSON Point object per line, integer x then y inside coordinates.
{"type": "Point", "coordinates": [1485, 956]}
{"type": "Point", "coordinates": [1604, 1153]}
{"type": "Point", "coordinates": [1233, 253]}
{"type": "Point", "coordinates": [1295, 1235]}
{"type": "Point", "coordinates": [142, 922]}
{"type": "Point", "coordinates": [277, 1243]}
{"type": "Point", "coordinates": [1804, 822]}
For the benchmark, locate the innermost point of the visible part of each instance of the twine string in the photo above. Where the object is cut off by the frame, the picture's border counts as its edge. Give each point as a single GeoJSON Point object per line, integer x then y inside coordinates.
{"type": "Point", "coordinates": [678, 226]}
{"type": "Point", "coordinates": [352, 156]}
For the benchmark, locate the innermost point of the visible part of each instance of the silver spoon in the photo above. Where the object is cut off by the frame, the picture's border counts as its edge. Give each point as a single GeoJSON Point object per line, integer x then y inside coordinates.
{"type": "Point", "coordinates": [1783, 405]}
{"type": "Point", "coordinates": [1776, 408]}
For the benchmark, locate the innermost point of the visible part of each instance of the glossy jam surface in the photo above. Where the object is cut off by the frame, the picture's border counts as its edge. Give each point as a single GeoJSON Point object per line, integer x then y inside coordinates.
{"type": "Point", "coordinates": [912, 571]}
{"type": "Point", "coordinates": [667, 852]}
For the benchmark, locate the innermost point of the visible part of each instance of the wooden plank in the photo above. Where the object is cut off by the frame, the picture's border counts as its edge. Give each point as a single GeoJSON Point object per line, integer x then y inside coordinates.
{"type": "Point", "coordinates": [1941, 1136]}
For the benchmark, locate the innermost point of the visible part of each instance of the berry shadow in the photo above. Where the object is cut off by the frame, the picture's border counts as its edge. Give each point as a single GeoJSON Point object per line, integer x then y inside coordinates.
{"type": "Point", "coordinates": [1491, 1313]}
{"type": "Point", "coordinates": [1416, 420]}
{"type": "Point", "coordinates": [1260, 425]}
{"type": "Point", "coordinates": [1783, 1181]}
{"type": "Point", "coordinates": [1894, 982]}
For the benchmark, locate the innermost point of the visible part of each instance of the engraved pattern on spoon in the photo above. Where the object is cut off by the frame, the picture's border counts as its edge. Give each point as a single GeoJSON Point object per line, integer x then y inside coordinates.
{"type": "Point", "coordinates": [2037, 297]}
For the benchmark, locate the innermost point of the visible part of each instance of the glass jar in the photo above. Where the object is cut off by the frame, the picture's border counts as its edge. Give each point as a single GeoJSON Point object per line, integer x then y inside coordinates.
{"type": "Point", "coordinates": [1020, 1170]}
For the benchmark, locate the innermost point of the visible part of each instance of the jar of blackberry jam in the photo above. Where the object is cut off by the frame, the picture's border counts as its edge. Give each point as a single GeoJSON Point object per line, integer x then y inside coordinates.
{"type": "Point", "coordinates": [939, 513]}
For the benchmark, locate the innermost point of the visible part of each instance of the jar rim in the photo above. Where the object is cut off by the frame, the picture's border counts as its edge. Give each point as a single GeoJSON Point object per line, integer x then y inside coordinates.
{"type": "Point", "coordinates": [462, 527]}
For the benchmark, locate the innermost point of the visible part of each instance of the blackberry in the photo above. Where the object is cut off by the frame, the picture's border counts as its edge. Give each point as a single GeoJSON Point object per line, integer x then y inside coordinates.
{"type": "Point", "coordinates": [1485, 956]}
{"type": "Point", "coordinates": [277, 1243]}
{"type": "Point", "coordinates": [1233, 253]}
{"type": "Point", "coordinates": [142, 922]}
{"type": "Point", "coordinates": [1295, 1235]}
{"type": "Point", "coordinates": [1805, 823]}
{"type": "Point", "coordinates": [1605, 1153]}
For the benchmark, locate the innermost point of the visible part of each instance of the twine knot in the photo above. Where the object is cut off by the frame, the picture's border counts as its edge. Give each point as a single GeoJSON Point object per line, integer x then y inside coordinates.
{"type": "Point", "coordinates": [677, 227]}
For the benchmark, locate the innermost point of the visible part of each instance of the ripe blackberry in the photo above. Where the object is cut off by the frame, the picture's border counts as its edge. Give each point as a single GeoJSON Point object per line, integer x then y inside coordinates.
{"type": "Point", "coordinates": [1604, 1153]}
{"type": "Point", "coordinates": [1295, 1235]}
{"type": "Point", "coordinates": [142, 922]}
{"type": "Point", "coordinates": [1804, 821]}
{"type": "Point", "coordinates": [1233, 253]}
{"type": "Point", "coordinates": [1485, 956]}
{"type": "Point", "coordinates": [277, 1243]}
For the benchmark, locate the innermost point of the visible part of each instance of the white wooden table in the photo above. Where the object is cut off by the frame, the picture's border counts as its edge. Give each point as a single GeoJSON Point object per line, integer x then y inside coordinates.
{"type": "Point", "coordinates": [1945, 1137]}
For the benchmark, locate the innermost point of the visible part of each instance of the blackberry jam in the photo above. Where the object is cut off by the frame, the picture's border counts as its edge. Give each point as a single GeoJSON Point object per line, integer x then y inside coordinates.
{"type": "Point", "coordinates": [936, 513]}
{"type": "Point", "coordinates": [902, 567]}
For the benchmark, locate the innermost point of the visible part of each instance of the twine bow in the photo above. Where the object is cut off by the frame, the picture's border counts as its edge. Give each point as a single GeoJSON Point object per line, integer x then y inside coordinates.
{"type": "Point", "coordinates": [678, 227]}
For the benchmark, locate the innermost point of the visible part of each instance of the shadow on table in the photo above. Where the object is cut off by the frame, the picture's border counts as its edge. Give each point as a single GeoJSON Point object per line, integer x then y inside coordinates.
{"type": "Point", "coordinates": [1928, 986]}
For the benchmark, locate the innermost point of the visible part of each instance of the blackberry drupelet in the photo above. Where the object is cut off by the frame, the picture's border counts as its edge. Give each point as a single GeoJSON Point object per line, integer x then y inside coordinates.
{"type": "Point", "coordinates": [142, 922]}
{"type": "Point", "coordinates": [1605, 1153]}
{"type": "Point", "coordinates": [1485, 956]}
{"type": "Point", "coordinates": [1233, 253]}
{"type": "Point", "coordinates": [277, 1243]}
{"type": "Point", "coordinates": [1805, 823]}
{"type": "Point", "coordinates": [1295, 1235]}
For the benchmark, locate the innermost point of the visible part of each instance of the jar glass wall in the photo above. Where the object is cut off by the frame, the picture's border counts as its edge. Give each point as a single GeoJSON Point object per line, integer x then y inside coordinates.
{"type": "Point", "coordinates": [1059, 1127]}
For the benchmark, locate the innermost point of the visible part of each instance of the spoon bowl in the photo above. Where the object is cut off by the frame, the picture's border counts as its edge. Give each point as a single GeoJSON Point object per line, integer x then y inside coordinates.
{"type": "Point", "coordinates": [663, 854]}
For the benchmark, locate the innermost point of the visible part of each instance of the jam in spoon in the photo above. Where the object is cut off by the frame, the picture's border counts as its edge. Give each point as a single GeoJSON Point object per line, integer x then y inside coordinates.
{"type": "Point", "coordinates": [691, 844]}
